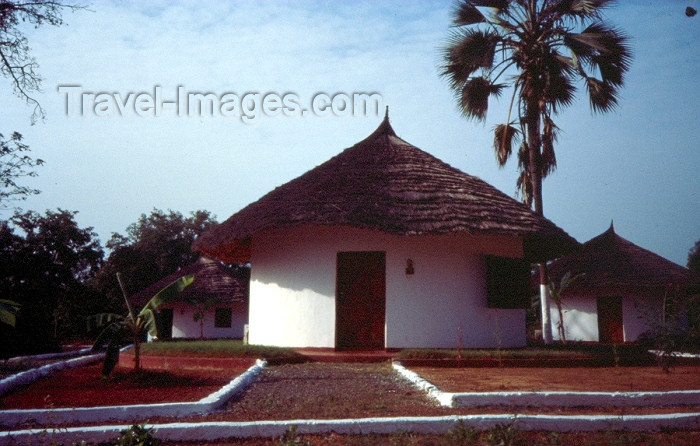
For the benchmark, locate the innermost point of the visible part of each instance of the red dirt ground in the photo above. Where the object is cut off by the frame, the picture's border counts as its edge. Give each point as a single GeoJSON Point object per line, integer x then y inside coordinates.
{"type": "Point", "coordinates": [597, 379]}
{"type": "Point", "coordinates": [84, 387]}
{"type": "Point", "coordinates": [167, 381]}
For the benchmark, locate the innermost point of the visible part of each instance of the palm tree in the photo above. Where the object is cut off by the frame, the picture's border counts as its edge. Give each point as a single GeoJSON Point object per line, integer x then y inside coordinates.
{"type": "Point", "coordinates": [541, 49]}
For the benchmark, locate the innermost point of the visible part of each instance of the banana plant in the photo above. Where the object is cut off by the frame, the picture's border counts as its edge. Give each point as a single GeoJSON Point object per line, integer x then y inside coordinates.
{"type": "Point", "coordinates": [134, 326]}
{"type": "Point", "coordinates": [555, 293]}
{"type": "Point", "coordinates": [8, 312]}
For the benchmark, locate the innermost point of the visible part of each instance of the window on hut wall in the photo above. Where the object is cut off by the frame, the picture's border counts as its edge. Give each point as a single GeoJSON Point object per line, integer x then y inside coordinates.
{"type": "Point", "coordinates": [222, 318]}
{"type": "Point", "coordinates": [507, 283]}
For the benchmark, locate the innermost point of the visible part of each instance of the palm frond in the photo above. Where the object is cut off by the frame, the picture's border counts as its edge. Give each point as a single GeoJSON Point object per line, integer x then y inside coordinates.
{"type": "Point", "coordinates": [468, 51]}
{"type": "Point", "coordinates": [615, 60]}
{"type": "Point", "coordinates": [602, 95]}
{"type": "Point", "coordinates": [577, 9]}
{"type": "Point", "coordinates": [523, 186]}
{"type": "Point", "coordinates": [503, 137]}
{"type": "Point", "coordinates": [549, 136]}
{"type": "Point", "coordinates": [598, 37]}
{"type": "Point", "coordinates": [466, 13]}
{"type": "Point", "coordinates": [558, 89]}
{"type": "Point", "coordinates": [474, 99]}
{"type": "Point", "coordinates": [494, 4]}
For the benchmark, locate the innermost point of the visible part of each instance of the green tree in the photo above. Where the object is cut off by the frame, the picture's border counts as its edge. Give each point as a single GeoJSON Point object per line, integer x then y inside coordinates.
{"type": "Point", "coordinates": [16, 61]}
{"type": "Point", "coordinates": [45, 268]}
{"type": "Point", "coordinates": [155, 246]}
{"type": "Point", "coordinates": [133, 326]}
{"type": "Point", "coordinates": [15, 164]}
{"type": "Point", "coordinates": [694, 258]}
{"type": "Point", "coordinates": [541, 49]}
{"type": "Point", "coordinates": [20, 67]}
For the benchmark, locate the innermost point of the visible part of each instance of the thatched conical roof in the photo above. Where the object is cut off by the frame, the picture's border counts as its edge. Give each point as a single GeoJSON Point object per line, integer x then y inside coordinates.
{"type": "Point", "coordinates": [612, 264]}
{"type": "Point", "coordinates": [211, 280]}
{"type": "Point", "coordinates": [386, 184]}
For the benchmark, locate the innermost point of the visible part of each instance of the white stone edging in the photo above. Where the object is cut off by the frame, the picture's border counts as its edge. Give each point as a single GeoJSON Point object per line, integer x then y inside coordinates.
{"type": "Point", "coordinates": [676, 354]}
{"type": "Point", "coordinates": [444, 398]}
{"type": "Point", "coordinates": [31, 375]}
{"type": "Point", "coordinates": [28, 376]}
{"type": "Point", "coordinates": [45, 356]}
{"type": "Point", "coordinates": [213, 431]}
{"type": "Point", "coordinates": [210, 403]}
{"type": "Point", "coordinates": [550, 398]}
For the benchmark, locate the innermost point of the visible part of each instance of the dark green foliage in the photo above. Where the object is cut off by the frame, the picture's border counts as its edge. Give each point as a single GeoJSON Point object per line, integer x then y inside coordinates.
{"type": "Point", "coordinates": [155, 246]}
{"type": "Point", "coordinates": [134, 326]}
{"type": "Point", "coordinates": [16, 63]}
{"type": "Point", "coordinates": [694, 258]}
{"type": "Point", "coordinates": [15, 164]}
{"type": "Point", "coordinates": [503, 435]}
{"type": "Point", "coordinates": [679, 328]}
{"type": "Point", "coordinates": [46, 264]}
{"type": "Point", "coordinates": [462, 435]}
{"type": "Point", "coordinates": [290, 438]}
{"type": "Point", "coordinates": [137, 435]}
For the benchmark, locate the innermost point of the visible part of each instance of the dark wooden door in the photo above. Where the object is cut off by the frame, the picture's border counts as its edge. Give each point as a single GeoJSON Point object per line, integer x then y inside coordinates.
{"type": "Point", "coordinates": [164, 323]}
{"type": "Point", "coordinates": [360, 300]}
{"type": "Point", "coordinates": [610, 320]}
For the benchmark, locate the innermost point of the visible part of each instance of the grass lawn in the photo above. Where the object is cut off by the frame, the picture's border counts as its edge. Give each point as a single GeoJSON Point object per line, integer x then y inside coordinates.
{"type": "Point", "coordinates": [555, 351]}
{"type": "Point", "coordinates": [218, 348]}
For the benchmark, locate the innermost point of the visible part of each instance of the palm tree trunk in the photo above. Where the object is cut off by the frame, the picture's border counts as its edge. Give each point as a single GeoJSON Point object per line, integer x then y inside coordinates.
{"type": "Point", "coordinates": [534, 150]}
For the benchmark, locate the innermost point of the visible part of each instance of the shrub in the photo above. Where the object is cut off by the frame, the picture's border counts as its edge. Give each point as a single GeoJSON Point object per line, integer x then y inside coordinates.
{"type": "Point", "coordinates": [137, 435]}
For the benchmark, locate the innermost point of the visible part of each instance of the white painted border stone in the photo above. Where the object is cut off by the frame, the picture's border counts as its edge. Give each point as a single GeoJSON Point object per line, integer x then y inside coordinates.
{"type": "Point", "coordinates": [551, 399]}
{"type": "Point", "coordinates": [16, 417]}
{"type": "Point", "coordinates": [44, 356]}
{"type": "Point", "coordinates": [213, 431]}
{"type": "Point", "coordinates": [28, 376]}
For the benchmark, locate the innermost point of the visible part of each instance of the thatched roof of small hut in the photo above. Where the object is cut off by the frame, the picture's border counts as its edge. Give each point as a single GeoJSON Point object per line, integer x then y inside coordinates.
{"type": "Point", "coordinates": [612, 264]}
{"type": "Point", "coordinates": [211, 279]}
{"type": "Point", "coordinates": [384, 183]}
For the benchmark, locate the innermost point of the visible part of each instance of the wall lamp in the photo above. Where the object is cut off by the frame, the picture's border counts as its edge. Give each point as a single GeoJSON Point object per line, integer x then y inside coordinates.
{"type": "Point", "coordinates": [409, 267]}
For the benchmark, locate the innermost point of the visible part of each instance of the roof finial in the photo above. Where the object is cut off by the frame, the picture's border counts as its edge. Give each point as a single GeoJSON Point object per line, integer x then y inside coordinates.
{"type": "Point", "coordinates": [386, 113]}
{"type": "Point", "coordinates": [612, 227]}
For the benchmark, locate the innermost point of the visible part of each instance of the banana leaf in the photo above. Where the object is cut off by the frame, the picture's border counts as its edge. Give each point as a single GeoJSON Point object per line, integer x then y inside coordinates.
{"type": "Point", "coordinates": [168, 294]}
{"type": "Point", "coordinates": [111, 356]}
{"type": "Point", "coordinates": [102, 320]}
{"type": "Point", "coordinates": [118, 327]}
{"type": "Point", "coordinates": [8, 312]}
{"type": "Point", "coordinates": [114, 331]}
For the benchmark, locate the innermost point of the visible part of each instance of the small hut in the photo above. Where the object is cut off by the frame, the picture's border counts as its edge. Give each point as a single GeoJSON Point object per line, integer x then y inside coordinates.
{"type": "Point", "coordinates": [385, 246]}
{"type": "Point", "coordinates": [619, 295]}
{"type": "Point", "coordinates": [219, 294]}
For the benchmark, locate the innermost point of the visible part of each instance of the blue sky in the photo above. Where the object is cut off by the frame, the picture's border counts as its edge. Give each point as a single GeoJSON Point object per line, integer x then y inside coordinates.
{"type": "Point", "coordinates": [637, 165]}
